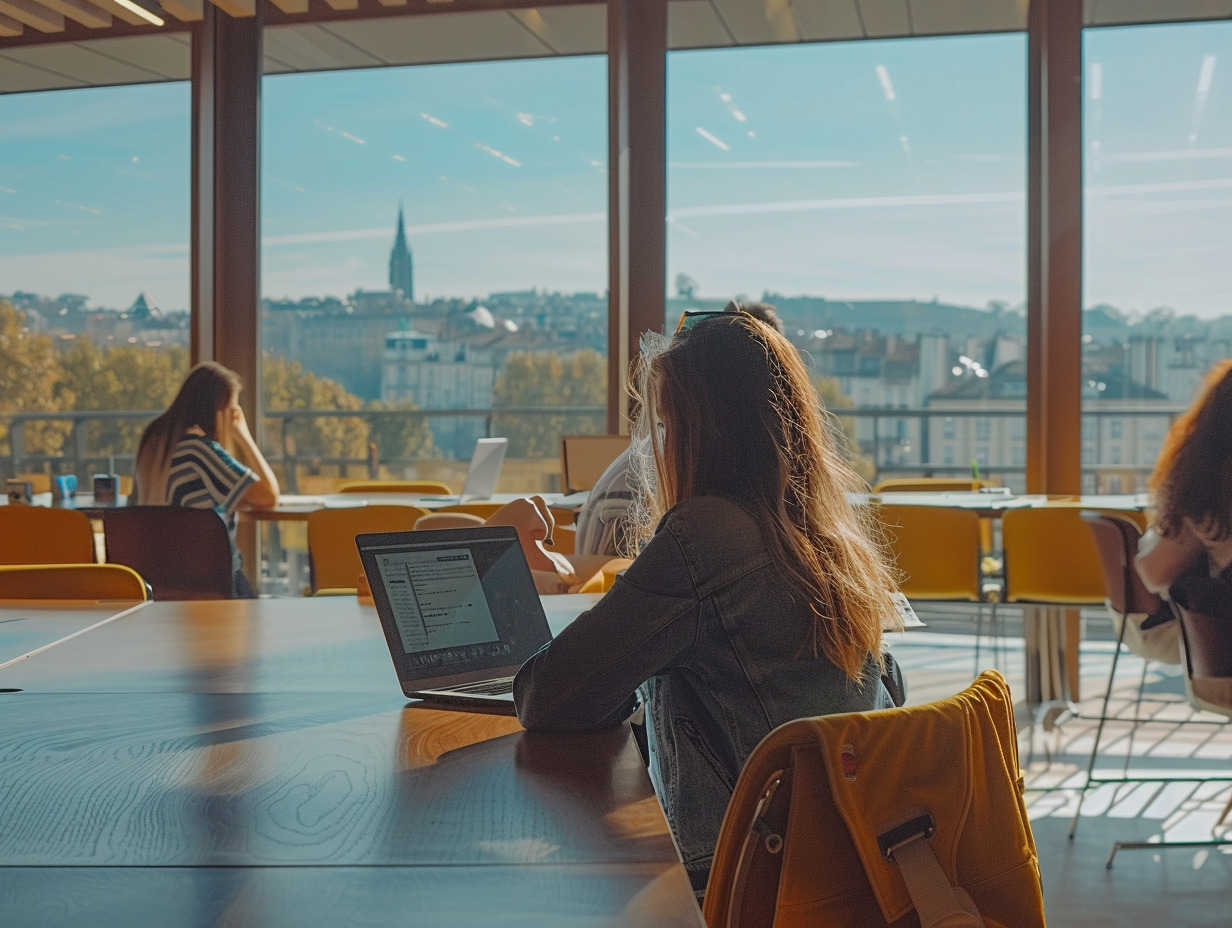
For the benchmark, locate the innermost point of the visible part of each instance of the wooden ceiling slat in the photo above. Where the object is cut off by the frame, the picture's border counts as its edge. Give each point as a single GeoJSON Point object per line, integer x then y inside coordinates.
{"type": "Point", "coordinates": [240, 9]}
{"type": "Point", "coordinates": [291, 6]}
{"type": "Point", "coordinates": [9, 26]}
{"type": "Point", "coordinates": [123, 13]}
{"type": "Point", "coordinates": [34, 15]}
{"type": "Point", "coordinates": [186, 11]}
{"type": "Point", "coordinates": [343, 4]}
{"type": "Point", "coordinates": [79, 11]}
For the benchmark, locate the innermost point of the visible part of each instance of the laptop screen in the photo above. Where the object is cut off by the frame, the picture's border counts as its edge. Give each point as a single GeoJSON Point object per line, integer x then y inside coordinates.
{"type": "Point", "coordinates": [456, 604]}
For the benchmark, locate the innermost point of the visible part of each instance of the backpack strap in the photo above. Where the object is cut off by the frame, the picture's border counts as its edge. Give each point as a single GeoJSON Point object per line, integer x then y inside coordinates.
{"type": "Point", "coordinates": [938, 903]}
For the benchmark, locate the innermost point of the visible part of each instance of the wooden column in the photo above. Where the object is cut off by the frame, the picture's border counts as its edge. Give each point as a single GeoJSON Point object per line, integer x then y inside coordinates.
{"type": "Point", "coordinates": [226, 164]}
{"type": "Point", "coordinates": [1054, 247]}
{"type": "Point", "coordinates": [637, 187]}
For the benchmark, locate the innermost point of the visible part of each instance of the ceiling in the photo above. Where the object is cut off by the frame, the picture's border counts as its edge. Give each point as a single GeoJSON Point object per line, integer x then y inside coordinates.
{"type": "Point", "coordinates": [55, 44]}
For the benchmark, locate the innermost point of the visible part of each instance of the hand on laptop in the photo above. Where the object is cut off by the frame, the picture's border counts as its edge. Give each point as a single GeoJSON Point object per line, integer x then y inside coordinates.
{"type": "Point", "coordinates": [534, 522]}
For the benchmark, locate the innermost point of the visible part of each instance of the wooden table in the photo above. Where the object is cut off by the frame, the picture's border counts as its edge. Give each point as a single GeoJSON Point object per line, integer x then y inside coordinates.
{"type": "Point", "coordinates": [254, 763]}
{"type": "Point", "coordinates": [26, 627]}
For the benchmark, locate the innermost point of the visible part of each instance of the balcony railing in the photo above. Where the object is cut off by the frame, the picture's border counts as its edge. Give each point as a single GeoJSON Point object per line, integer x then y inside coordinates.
{"type": "Point", "coordinates": [892, 442]}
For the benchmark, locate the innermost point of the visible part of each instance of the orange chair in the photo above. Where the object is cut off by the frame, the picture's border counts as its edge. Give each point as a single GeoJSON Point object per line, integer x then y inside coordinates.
{"type": "Point", "coordinates": [483, 510]}
{"type": "Point", "coordinates": [96, 582]}
{"type": "Point", "coordinates": [410, 487]}
{"type": "Point", "coordinates": [39, 535]}
{"type": "Point", "coordinates": [438, 520]}
{"type": "Point", "coordinates": [333, 560]}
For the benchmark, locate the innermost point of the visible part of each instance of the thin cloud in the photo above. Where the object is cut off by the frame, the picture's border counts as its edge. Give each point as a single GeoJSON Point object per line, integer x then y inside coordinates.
{"type": "Point", "coordinates": [760, 165]}
{"type": "Point", "coordinates": [498, 154]}
{"type": "Point", "coordinates": [713, 139]}
{"type": "Point", "coordinates": [440, 123]}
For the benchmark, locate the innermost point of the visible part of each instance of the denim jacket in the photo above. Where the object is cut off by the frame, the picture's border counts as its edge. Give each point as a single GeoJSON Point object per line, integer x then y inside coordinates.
{"type": "Point", "coordinates": [703, 618]}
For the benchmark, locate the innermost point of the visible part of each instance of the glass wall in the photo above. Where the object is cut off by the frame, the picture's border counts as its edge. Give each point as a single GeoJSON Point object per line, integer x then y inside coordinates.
{"type": "Point", "coordinates": [1158, 218]}
{"type": "Point", "coordinates": [434, 261]}
{"type": "Point", "coordinates": [874, 192]}
{"type": "Point", "coordinates": [94, 273]}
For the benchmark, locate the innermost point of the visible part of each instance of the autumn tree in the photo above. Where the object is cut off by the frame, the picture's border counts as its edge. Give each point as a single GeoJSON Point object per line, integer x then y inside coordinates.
{"type": "Point", "coordinates": [575, 380]}
{"type": "Point", "coordinates": [288, 386]}
{"type": "Point", "coordinates": [29, 369]}
{"type": "Point", "coordinates": [120, 378]}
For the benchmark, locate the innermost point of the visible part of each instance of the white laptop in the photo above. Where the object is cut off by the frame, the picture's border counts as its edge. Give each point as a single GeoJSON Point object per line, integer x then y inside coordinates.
{"type": "Point", "coordinates": [486, 461]}
{"type": "Point", "coordinates": [459, 610]}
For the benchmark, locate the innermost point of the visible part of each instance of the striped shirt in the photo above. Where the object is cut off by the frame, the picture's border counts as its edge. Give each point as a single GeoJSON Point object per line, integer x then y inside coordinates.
{"type": "Point", "coordinates": [204, 476]}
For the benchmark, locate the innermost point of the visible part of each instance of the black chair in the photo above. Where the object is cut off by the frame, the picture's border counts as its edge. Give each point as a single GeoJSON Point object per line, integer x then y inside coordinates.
{"type": "Point", "coordinates": [1116, 539]}
{"type": "Point", "coordinates": [1203, 606]}
{"type": "Point", "coordinates": [183, 553]}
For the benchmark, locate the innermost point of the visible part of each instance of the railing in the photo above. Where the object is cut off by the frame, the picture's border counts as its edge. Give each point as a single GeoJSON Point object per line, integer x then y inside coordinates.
{"type": "Point", "coordinates": [884, 451]}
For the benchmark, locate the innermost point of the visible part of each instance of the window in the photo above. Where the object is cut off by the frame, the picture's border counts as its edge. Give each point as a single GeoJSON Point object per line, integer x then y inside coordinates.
{"type": "Point", "coordinates": [983, 429]}
{"type": "Point", "coordinates": [94, 191]}
{"type": "Point", "coordinates": [442, 255]}
{"type": "Point", "coordinates": [874, 216]}
{"type": "Point", "coordinates": [1157, 113]}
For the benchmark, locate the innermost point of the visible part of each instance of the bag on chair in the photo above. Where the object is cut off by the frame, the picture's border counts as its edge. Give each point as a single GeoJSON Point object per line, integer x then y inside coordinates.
{"type": "Point", "coordinates": [902, 817]}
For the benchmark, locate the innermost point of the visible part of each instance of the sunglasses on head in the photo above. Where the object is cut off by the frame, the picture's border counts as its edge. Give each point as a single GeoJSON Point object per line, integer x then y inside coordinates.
{"type": "Point", "coordinates": [691, 317]}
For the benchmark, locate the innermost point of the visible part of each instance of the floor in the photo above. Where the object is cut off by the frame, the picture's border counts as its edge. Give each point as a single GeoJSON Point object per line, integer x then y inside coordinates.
{"type": "Point", "coordinates": [1166, 887]}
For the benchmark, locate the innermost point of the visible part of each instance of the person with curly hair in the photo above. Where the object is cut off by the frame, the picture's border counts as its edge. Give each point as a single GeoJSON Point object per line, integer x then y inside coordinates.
{"type": "Point", "coordinates": [1192, 483]}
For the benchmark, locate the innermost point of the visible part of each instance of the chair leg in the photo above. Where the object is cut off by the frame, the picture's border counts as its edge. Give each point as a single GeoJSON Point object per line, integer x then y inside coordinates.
{"type": "Point", "coordinates": [1099, 729]}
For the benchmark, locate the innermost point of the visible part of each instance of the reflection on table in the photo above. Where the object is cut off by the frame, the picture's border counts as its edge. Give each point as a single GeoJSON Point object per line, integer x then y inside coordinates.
{"type": "Point", "coordinates": [254, 762]}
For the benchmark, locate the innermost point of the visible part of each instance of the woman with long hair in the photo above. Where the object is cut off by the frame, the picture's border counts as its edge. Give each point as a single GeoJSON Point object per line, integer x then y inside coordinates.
{"type": "Point", "coordinates": [201, 454]}
{"type": "Point", "coordinates": [760, 596]}
{"type": "Point", "coordinates": [1192, 482]}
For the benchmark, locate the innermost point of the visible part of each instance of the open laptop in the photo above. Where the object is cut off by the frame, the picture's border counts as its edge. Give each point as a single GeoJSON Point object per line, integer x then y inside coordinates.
{"type": "Point", "coordinates": [486, 461]}
{"type": "Point", "coordinates": [459, 610]}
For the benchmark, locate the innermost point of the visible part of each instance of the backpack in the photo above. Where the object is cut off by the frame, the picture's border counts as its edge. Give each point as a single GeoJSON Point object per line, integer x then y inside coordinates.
{"type": "Point", "coordinates": [904, 817]}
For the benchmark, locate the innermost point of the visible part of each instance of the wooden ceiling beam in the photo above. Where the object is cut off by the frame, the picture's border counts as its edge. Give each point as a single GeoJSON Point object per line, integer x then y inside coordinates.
{"type": "Point", "coordinates": [123, 13]}
{"type": "Point", "coordinates": [79, 11]}
{"type": "Point", "coordinates": [9, 26]}
{"type": "Point", "coordinates": [186, 11]}
{"type": "Point", "coordinates": [293, 6]}
{"type": "Point", "coordinates": [34, 15]}
{"type": "Point", "coordinates": [237, 9]}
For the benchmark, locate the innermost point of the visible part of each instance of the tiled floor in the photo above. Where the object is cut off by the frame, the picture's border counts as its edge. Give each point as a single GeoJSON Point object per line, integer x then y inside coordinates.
{"type": "Point", "coordinates": [1166, 887]}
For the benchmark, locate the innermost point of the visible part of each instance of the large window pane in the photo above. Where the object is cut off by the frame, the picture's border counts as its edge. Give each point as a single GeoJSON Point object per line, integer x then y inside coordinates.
{"type": "Point", "coordinates": [94, 288]}
{"type": "Point", "coordinates": [484, 313]}
{"type": "Point", "coordinates": [874, 192]}
{"type": "Point", "coordinates": [1157, 281]}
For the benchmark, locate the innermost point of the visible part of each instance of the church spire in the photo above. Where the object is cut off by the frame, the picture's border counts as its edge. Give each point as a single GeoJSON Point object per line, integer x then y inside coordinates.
{"type": "Point", "coordinates": [401, 272]}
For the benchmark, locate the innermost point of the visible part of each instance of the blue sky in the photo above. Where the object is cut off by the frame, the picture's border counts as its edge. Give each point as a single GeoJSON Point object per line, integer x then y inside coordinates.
{"type": "Point", "coordinates": [852, 170]}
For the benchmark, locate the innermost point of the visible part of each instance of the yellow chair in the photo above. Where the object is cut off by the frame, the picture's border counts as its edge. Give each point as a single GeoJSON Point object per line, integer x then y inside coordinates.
{"type": "Point", "coordinates": [414, 487]}
{"type": "Point", "coordinates": [333, 560]}
{"type": "Point", "coordinates": [564, 538]}
{"type": "Point", "coordinates": [39, 535]}
{"type": "Point", "coordinates": [929, 485]}
{"type": "Point", "coordinates": [483, 510]}
{"type": "Point", "coordinates": [73, 581]}
{"type": "Point", "coordinates": [437, 520]}
{"type": "Point", "coordinates": [584, 458]}
{"type": "Point", "coordinates": [601, 577]}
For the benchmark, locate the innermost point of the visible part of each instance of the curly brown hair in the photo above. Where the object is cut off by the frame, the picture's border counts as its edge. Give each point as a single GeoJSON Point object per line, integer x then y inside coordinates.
{"type": "Point", "coordinates": [1193, 475]}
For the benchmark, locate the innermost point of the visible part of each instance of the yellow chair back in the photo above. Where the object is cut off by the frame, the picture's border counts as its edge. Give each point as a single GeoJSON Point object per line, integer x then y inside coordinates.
{"type": "Point", "coordinates": [437, 520]}
{"type": "Point", "coordinates": [39, 535]}
{"type": "Point", "coordinates": [938, 550]}
{"type": "Point", "coordinates": [483, 510]}
{"type": "Point", "coordinates": [1051, 557]}
{"type": "Point", "coordinates": [332, 557]}
{"type": "Point", "coordinates": [929, 485]}
{"type": "Point", "coordinates": [418, 487]}
{"type": "Point", "coordinates": [73, 581]}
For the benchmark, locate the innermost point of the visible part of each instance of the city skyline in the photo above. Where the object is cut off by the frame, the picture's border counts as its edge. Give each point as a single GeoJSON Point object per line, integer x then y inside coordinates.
{"type": "Point", "coordinates": [903, 180]}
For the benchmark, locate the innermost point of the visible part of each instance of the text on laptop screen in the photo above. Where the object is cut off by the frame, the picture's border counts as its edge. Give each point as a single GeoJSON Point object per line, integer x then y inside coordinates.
{"type": "Point", "coordinates": [437, 600]}
{"type": "Point", "coordinates": [454, 601]}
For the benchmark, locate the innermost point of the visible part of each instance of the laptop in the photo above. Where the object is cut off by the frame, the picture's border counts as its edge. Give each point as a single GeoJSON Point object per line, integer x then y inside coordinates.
{"type": "Point", "coordinates": [459, 611]}
{"type": "Point", "coordinates": [486, 461]}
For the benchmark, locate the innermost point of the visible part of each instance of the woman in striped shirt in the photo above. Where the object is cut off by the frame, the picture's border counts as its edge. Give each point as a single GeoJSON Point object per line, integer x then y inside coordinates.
{"type": "Point", "coordinates": [200, 454]}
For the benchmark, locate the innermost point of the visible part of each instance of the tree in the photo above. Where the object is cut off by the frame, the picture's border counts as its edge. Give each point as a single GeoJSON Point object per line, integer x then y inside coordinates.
{"type": "Point", "coordinates": [686, 286]}
{"type": "Point", "coordinates": [29, 369]}
{"type": "Point", "coordinates": [119, 378]}
{"type": "Point", "coordinates": [547, 379]}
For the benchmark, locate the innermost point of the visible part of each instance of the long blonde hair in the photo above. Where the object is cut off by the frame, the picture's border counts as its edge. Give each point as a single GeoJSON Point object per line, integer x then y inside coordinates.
{"type": "Point", "coordinates": [727, 409]}
{"type": "Point", "coordinates": [206, 391]}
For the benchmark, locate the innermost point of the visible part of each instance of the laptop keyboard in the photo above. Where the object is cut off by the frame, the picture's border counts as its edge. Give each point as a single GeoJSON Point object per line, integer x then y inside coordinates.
{"type": "Point", "coordinates": [498, 687]}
